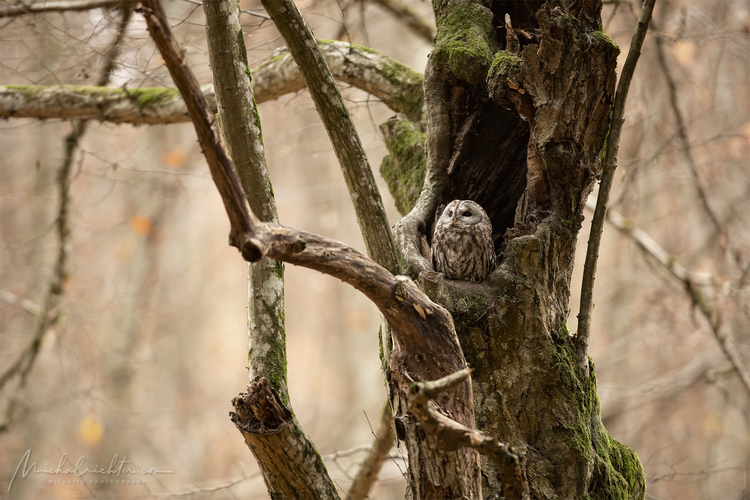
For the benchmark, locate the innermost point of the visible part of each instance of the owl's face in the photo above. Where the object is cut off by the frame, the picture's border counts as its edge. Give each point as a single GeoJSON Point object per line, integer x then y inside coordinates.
{"type": "Point", "coordinates": [462, 214]}
{"type": "Point", "coordinates": [462, 247]}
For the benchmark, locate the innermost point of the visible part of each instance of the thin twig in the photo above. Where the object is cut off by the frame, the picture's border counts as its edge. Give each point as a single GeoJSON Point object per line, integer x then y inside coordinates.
{"type": "Point", "coordinates": [411, 18]}
{"type": "Point", "coordinates": [49, 314]}
{"type": "Point", "coordinates": [610, 164]}
{"type": "Point", "coordinates": [682, 135]}
{"type": "Point", "coordinates": [244, 11]}
{"type": "Point", "coordinates": [373, 462]}
{"type": "Point", "coordinates": [212, 489]}
{"type": "Point", "coordinates": [74, 6]}
{"type": "Point", "coordinates": [690, 283]}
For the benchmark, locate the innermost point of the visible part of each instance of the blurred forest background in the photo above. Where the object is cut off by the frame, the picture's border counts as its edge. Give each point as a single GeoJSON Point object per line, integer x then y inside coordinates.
{"type": "Point", "coordinates": [148, 344]}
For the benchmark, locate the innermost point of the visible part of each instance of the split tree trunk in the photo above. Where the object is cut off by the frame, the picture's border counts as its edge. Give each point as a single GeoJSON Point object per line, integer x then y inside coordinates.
{"type": "Point", "coordinates": [517, 119]}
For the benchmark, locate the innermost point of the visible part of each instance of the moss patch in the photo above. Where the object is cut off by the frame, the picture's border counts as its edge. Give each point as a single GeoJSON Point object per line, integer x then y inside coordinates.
{"type": "Point", "coordinates": [504, 76]}
{"type": "Point", "coordinates": [617, 470]}
{"type": "Point", "coordinates": [465, 40]}
{"type": "Point", "coordinates": [405, 167]}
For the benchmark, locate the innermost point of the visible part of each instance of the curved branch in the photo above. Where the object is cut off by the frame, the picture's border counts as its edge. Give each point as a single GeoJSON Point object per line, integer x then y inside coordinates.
{"type": "Point", "coordinates": [399, 86]}
{"type": "Point", "coordinates": [407, 230]}
{"type": "Point", "coordinates": [608, 174]}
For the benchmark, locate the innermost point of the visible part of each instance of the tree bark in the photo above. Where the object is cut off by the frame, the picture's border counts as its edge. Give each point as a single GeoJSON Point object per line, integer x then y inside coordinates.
{"type": "Point", "coordinates": [529, 390]}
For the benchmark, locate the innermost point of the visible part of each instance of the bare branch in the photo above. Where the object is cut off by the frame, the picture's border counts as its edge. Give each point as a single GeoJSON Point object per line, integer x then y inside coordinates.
{"type": "Point", "coordinates": [49, 314]}
{"type": "Point", "coordinates": [690, 282]}
{"type": "Point", "coordinates": [222, 170]}
{"type": "Point", "coordinates": [360, 181]}
{"type": "Point", "coordinates": [605, 186]}
{"type": "Point", "coordinates": [422, 326]}
{"type": "Point", "coordinates": [72, 6]}
{"type": "Point", "coordinates": [685, 143]}
{"type": "Point", "coordinates": [208, 489]}
{"type": "Point", "coordinates": [156, 105]}
{"type": "Point", "coordinates": [378, 452]}
{"type": "Point", "coordinates": [452, 435]}
{"type": "Point", "coordinates": [248, 12]}
{"type": "Point", "coordinates": [397, 85]}
{"type": "Point", "coordinates": [408, 16]}
{"type": "Point", "coordinates": [27, 305]}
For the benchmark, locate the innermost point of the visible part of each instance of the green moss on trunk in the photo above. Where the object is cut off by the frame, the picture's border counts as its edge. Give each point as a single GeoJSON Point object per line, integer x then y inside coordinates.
{"type": "Point", "coordinates": [405, 167]}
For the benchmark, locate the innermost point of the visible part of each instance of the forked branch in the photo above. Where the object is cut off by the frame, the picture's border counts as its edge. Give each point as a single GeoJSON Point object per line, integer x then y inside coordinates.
{"type": "Point", "coordinates": [452, 435]}
{"type": "Point", "coordinates": [363, 190]}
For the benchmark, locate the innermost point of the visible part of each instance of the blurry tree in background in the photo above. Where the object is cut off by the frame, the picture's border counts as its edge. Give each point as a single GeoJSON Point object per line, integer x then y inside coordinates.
{"type": "Point", "coordinates": [120, 303]}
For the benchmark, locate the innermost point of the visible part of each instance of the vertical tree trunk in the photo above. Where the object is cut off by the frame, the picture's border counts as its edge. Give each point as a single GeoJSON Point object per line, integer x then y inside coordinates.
{"type": "Point", "coordinates": [527, 118]}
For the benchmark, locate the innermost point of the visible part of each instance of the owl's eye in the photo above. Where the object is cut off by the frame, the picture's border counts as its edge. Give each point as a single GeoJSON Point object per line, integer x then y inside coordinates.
{"type": "Point", "coordinates": [466, 214]}
{"type": "Point", "coordinates": [450, 213]}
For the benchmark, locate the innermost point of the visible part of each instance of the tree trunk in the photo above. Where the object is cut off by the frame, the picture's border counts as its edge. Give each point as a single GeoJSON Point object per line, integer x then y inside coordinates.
{"type": "Point", "coordinates": [524, 120]}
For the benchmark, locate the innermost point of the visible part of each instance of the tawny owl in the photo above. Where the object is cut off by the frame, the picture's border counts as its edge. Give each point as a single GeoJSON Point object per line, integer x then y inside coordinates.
{"type": "Point", "coordinates": [462, 246]}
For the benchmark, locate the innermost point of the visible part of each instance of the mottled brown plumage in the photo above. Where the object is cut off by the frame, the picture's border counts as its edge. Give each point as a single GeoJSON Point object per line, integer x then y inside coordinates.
{"type": "Point", "coordinates": [462, 246]}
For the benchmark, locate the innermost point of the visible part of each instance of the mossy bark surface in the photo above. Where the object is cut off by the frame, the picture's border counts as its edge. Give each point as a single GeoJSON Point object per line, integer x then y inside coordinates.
{"type": "Point", "coordinates": [526, 130]}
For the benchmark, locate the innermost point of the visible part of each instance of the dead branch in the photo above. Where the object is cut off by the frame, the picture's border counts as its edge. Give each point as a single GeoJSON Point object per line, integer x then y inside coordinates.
{"type": "Point", "coordinates": [605, 186]}
{"type": "Point", "coordinates": [409, 17]}
{"type": "Point", "coordinates": [291, 466]}
{"type": "Point", "coordinates": [72, 6]}
{"type": "Point", "coordinates": [690, 283]}
{"type": "Point", "coordinates": [452, 435]}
